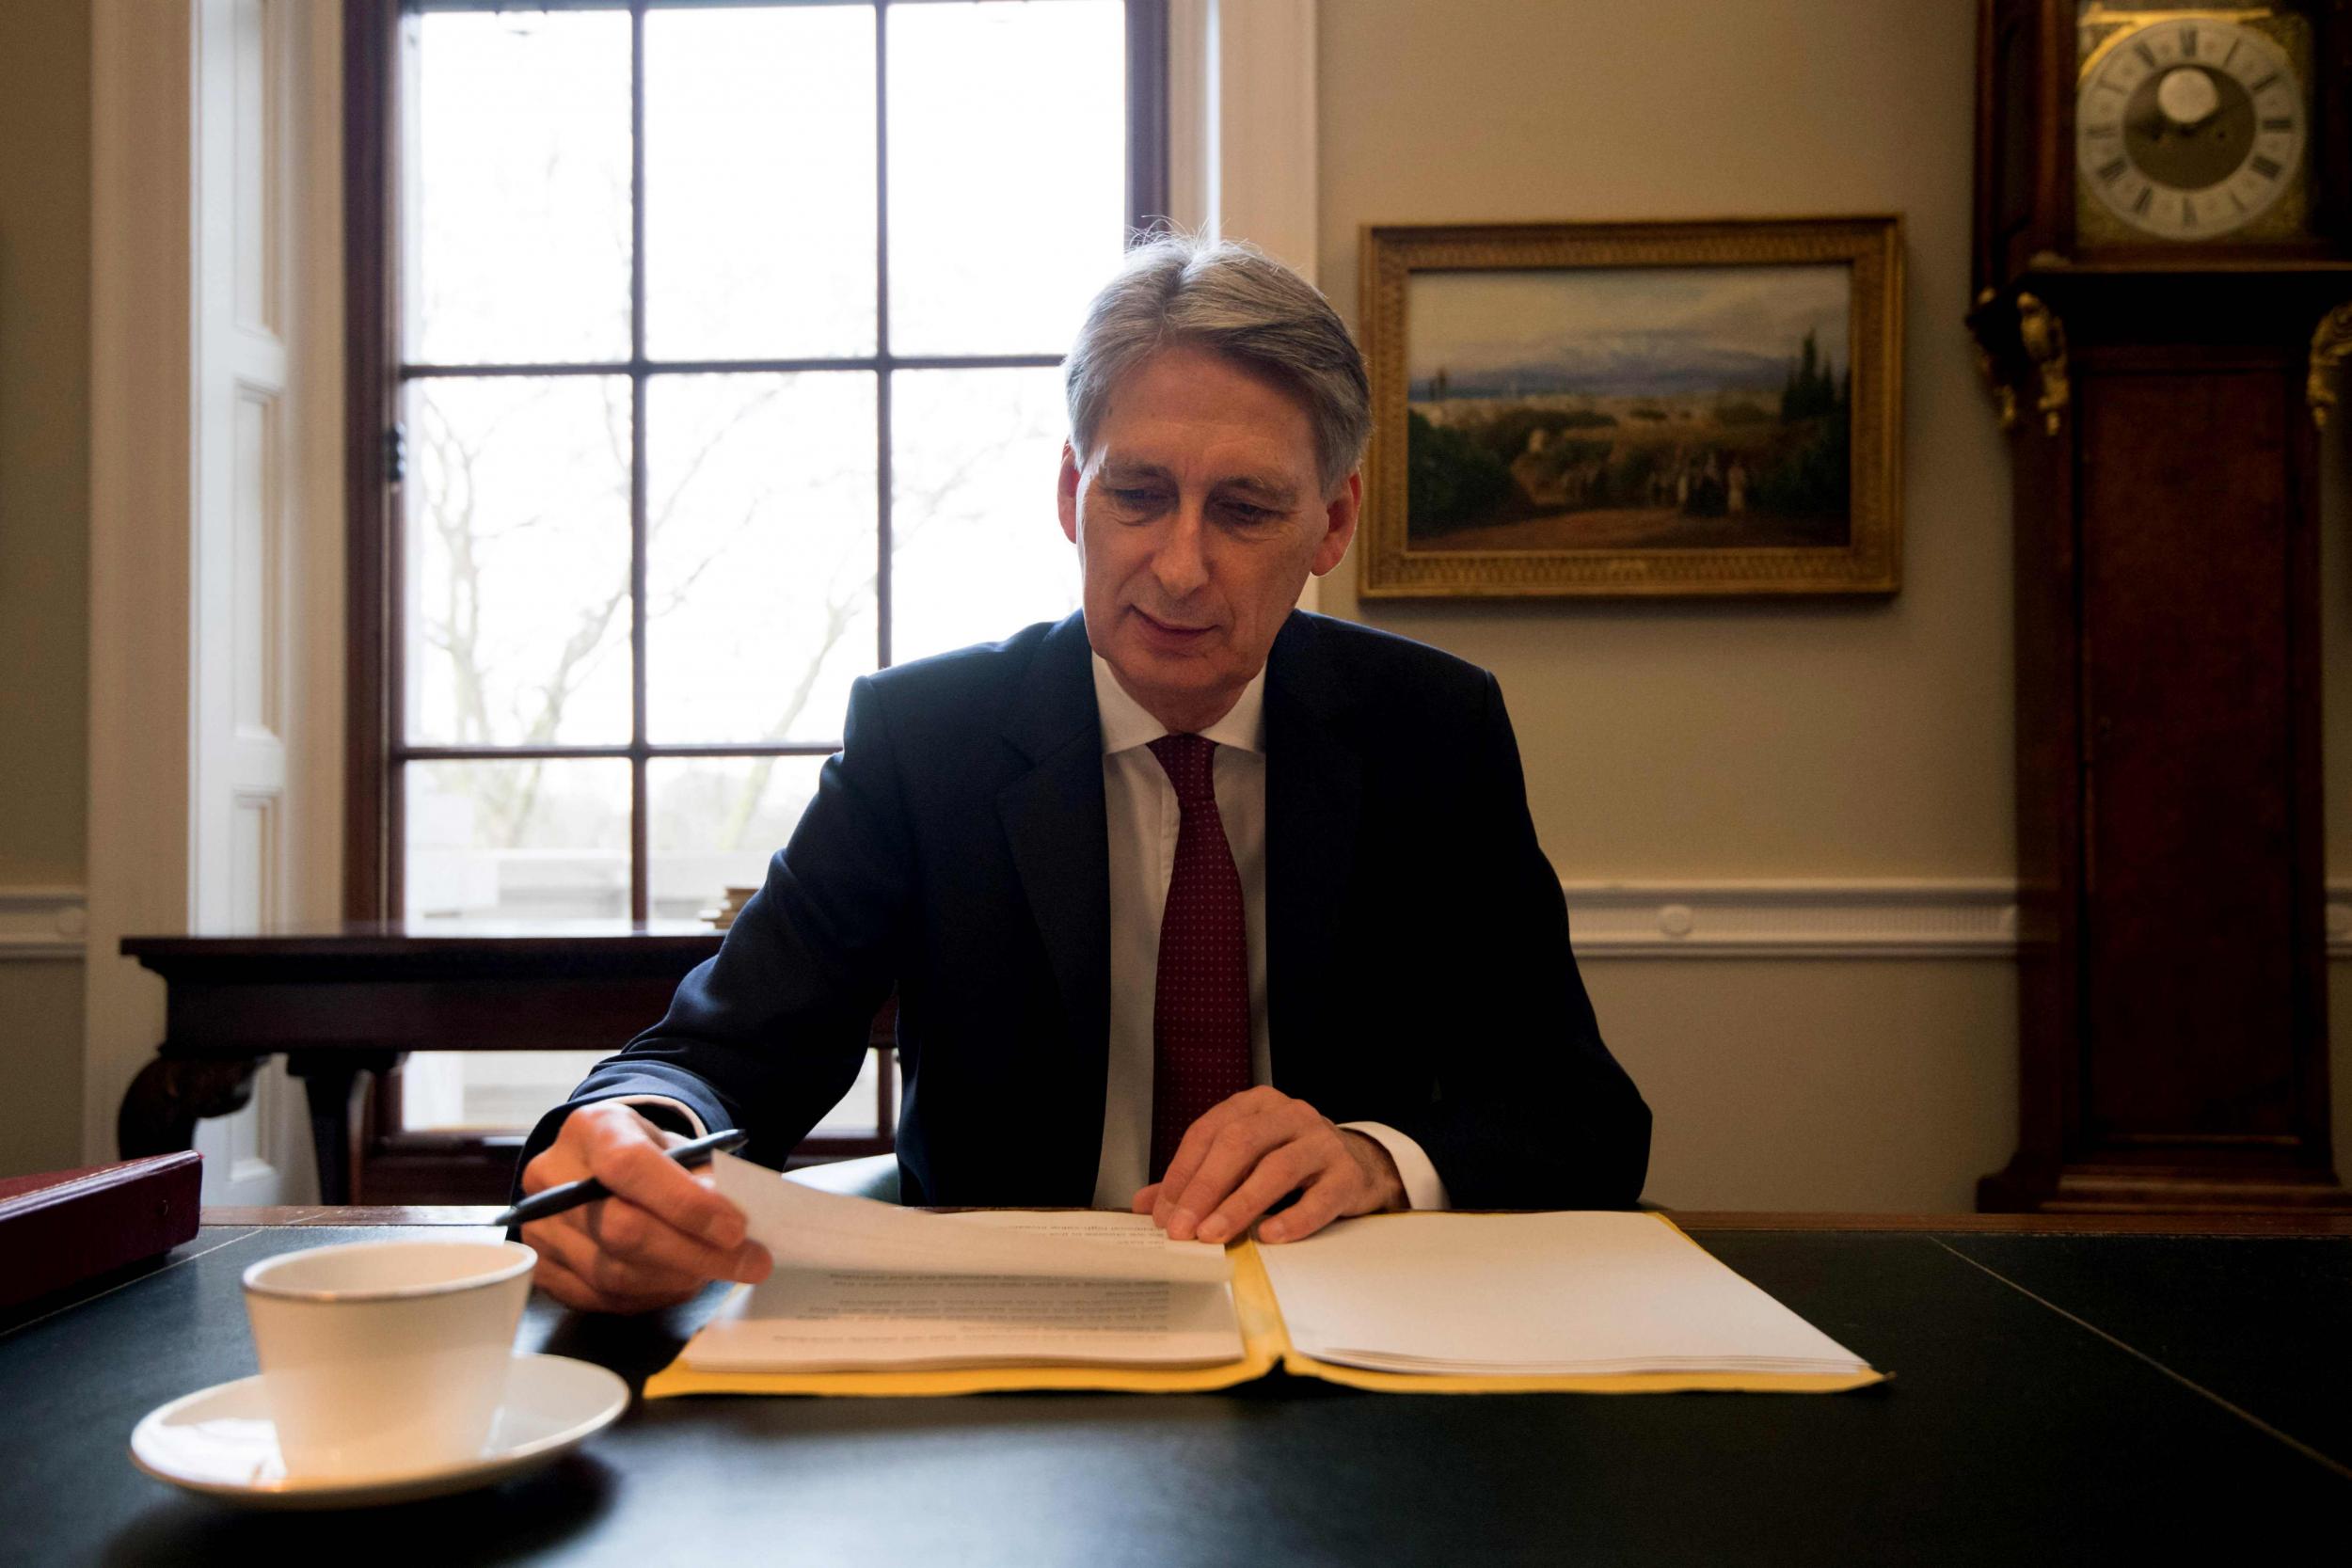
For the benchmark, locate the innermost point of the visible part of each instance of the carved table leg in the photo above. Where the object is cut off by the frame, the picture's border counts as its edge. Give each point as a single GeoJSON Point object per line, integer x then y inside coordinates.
{"type": "Point", "coordinates": [160, 1110]}
{"type": "Point", "coordinates": [336, 1085]}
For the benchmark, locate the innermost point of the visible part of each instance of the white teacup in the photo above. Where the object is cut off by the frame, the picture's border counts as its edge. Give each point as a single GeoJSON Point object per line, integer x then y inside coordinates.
{"type": "Point", "coordinates": [381, 1357]}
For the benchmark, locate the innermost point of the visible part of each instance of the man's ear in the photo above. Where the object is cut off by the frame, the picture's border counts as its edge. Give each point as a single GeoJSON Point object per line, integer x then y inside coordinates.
{"type": "Point", "coordinates": [1338, 518]}
{"type": "Point", "coordinates": [1066, 493]}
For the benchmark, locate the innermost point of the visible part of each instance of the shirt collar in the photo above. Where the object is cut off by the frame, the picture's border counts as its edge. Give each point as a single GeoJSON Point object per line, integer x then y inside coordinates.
{"type": "Point", "coordinates": [1126, 725]}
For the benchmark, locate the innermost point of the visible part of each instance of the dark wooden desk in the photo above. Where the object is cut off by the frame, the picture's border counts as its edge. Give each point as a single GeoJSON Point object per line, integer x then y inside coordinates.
{"type": "Point", "coordinates": [348, 1003]}
{"type": "Point", "coordinates": [2065, 1391]}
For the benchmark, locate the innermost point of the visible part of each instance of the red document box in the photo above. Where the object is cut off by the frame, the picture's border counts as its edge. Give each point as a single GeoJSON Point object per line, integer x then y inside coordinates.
{"type": "Point", "coordinates": [62, 1227]}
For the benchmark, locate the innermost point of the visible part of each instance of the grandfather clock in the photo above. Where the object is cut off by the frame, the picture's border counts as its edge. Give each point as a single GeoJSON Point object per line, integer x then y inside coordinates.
{"type": "Point", "coordinates": [2163, 263]}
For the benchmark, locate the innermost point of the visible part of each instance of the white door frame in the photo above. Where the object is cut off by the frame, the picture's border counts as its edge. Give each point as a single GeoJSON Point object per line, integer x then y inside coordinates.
{"type": "Point", "coordinates": [215, 216]}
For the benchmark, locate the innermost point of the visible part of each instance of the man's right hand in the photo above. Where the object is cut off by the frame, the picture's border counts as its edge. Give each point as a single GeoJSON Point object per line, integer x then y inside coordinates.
{"type": "Point", "coordinates": [662, 1237]}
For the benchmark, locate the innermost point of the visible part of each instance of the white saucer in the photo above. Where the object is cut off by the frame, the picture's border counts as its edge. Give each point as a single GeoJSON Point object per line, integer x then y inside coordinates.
{"type": "Point", "coordinates": [220, 1441]}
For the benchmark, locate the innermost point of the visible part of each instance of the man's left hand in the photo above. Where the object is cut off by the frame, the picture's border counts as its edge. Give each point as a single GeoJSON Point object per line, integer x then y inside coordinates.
{"type": "Point", "coordinates": [1256, 1148]}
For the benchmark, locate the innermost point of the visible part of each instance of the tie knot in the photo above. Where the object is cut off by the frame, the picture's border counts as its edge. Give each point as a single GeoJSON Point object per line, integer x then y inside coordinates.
{"type": "Point", "coordinates": [1189, 761]}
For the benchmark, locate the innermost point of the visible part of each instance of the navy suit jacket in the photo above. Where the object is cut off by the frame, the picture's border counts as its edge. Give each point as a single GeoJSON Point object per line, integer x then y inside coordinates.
{"type": "Point", "coordinates": [1416, 946]}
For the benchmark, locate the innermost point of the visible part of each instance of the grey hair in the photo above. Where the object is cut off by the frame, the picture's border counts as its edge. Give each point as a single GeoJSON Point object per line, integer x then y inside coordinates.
{"type": "Point", "coordinates": [1177, 289]}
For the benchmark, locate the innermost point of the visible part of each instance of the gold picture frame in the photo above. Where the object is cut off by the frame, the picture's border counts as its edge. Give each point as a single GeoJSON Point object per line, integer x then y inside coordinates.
{"type": "Point", "coordinates": [1633, 409]}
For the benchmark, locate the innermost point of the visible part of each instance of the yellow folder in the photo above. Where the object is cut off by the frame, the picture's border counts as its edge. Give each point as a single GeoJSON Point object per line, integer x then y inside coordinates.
{"type": "Point", "coordinates": [1265, 1346]}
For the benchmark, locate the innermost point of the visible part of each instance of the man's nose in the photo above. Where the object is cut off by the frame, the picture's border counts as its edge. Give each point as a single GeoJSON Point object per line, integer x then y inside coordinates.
{"type": "Point", "coordinates": [1181, 563]}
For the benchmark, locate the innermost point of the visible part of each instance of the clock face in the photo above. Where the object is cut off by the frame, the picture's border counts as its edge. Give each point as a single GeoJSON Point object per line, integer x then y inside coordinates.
{"type": "Point", "coordinates": [2189, 127]}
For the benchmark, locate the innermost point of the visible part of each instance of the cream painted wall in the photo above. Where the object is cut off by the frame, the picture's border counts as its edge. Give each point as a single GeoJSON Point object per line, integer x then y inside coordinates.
{"type": "Point", "coordinates": [1758, 739]}
{"type": "Point", "coordinates": [1802, 1083]}
{"type": "Point", "coordinates": [44, 437]}
{"type": "Point", "coordinates": [40, 1066]}
{"type": "Point", "coordinates": [1729, 742]}
{"type": "Point", "coordinates": [44, 551]}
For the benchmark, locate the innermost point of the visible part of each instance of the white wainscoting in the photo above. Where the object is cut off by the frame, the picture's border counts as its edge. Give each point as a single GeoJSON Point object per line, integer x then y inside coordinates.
{"type": "Point", "coordinates": [42, 922]}
{"type": "Point", "coordinates": [1794, 919]}
{"type": "Point", "coordinates": [1817, 919]}
{"type": "Point", "coordinates": [1822, 919]}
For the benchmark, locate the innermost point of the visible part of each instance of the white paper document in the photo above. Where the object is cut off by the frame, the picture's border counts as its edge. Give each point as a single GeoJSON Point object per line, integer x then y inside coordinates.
{"type": "Point", "coordinates": [866, 1285]}
{"type": "Point", "coordinates": [1532, 1294]}
{"type": "Point", "coordinates": [860, 1284]}
{"type": "Point", "coordinates": [830, 1320]}
{"type": "Point", "coordinates": [804, 1229]}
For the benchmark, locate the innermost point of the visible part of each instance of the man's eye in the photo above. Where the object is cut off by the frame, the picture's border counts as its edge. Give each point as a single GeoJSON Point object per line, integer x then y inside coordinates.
{"type": "Point", "coordinates": [1135, 498]}
{"type": "Point", "coordinates": [1251, 517]}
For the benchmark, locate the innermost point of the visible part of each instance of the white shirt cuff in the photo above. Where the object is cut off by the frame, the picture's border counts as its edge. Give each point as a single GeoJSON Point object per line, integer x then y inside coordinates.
{"type": "Point", "coordinates": [1424, 1188]}
{"type": "Point", "coordinates": [682, 1108]}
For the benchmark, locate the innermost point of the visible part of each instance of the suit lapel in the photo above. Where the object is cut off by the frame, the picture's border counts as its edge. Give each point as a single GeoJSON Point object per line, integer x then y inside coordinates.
{"type": "Point", "coordinates": [1314, 795]}
{"type": "Point", "coordinates": [1055, 821]}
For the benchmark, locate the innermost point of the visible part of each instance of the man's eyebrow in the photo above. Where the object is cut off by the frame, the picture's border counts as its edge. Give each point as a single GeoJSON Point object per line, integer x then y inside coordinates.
{"type": "Point", "coordinates": [1126, 471]}
{"type": "Point", "coordinates": [1274, 492]}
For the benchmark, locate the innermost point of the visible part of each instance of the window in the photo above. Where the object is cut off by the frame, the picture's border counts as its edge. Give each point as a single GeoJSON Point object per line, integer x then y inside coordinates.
{"type": "Point", "coordinates": [718, 364]}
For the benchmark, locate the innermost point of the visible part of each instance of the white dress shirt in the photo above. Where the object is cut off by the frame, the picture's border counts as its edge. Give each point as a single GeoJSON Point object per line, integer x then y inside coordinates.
{"type": "Point", "coordinates": [1143, 820]}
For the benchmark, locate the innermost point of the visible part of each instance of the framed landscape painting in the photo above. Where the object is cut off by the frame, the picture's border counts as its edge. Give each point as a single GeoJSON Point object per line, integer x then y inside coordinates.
{"type": "Point", "coordinates": [1634, 408]}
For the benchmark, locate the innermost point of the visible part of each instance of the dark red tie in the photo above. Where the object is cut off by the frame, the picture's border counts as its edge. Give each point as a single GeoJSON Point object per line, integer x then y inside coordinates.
{"type": "Point", "coordinates": [1200, 1016]}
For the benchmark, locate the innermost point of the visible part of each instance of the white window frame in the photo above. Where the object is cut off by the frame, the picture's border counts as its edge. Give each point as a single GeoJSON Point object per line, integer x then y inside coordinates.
{"type": "Point", "coordinates": [1241, 154]}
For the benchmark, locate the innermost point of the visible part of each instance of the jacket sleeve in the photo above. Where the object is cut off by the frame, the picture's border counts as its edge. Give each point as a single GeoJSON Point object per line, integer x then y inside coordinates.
{"type": "Point", "coordinates": [1548, 1119]}
{"type": "Point", "coordinates": [770, 1034]}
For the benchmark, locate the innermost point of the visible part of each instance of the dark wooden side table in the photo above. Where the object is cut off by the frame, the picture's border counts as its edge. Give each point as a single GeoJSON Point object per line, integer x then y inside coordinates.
{"type": "Point", "coordinates": [342, 1004]}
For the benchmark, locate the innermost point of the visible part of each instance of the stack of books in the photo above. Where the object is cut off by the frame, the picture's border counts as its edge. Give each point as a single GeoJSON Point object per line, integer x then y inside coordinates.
{"type": "Point", "coordinates": [722, 915]}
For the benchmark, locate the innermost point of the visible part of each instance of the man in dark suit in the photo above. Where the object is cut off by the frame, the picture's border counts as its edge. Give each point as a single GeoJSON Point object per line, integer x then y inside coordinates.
{"type": "Point", "coordinates": [1192, 902]}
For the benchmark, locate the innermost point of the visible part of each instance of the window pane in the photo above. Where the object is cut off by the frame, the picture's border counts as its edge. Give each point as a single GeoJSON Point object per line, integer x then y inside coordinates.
{"type": "Point", "coordinates": [517, 574]}
{"type": "Point", "coordinates": [1008, 172]}
{"type": "Point", "coordinates": [493, 1090]}
{"type": "Point", "coordinates": [978, 548]}
{"type": "Point", "coordinates": [760, 606]}
{"type": "Point", "coordinates": [715, 821]}
{"type": "Point", "coordinates": [759, 182]}
{"type": "Point", "coordinates": [517, 840]}
{"type": "Point", "coordinates": [855, 1115]}
{"type": "Point", "coordinates": [517, 197]}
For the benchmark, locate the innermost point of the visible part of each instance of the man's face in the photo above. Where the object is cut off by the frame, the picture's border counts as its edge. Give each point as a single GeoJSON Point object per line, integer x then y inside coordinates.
{"type": "Point", "coordinates": [1198, 516]}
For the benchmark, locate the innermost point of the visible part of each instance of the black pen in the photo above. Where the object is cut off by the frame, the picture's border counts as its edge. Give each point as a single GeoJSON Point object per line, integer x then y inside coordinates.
{"type": "Point", "coordinates": [571, 1195]}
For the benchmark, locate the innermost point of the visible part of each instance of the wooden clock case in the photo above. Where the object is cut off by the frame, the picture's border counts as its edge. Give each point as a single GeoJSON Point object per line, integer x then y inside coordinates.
{"type": "Point", "coordinates": [2160, 399]}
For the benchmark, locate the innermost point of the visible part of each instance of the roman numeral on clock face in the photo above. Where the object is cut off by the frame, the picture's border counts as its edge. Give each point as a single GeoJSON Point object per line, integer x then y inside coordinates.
{"type": "Point", "coordinates": [2268, 167]}
{"type": "Point", "coordinates": [2139, 202]}
{"type": "Point", "coordinates": [2113, 170]}
{"type": "Point", "coordinates": [2278, 122]}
